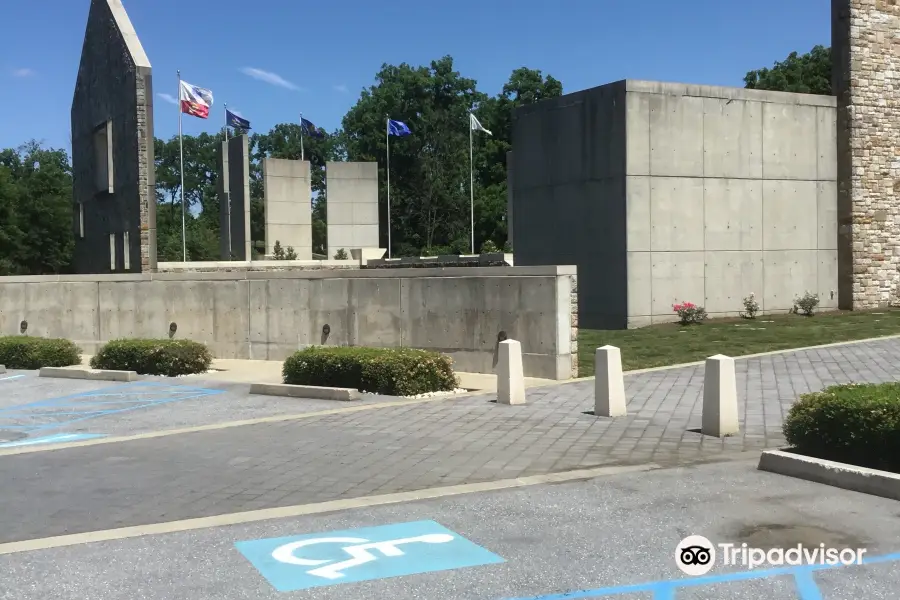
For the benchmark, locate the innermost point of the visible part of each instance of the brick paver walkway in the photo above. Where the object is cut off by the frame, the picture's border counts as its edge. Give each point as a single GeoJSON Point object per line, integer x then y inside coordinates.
{"type": "Point", "coordinates": [410, 447]}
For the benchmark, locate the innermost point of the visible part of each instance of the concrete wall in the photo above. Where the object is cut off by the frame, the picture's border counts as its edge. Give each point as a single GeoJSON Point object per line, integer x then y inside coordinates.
{"type": "Point", "coordinates": [260, 315]}
{"type": "Point", "coordinates": [113, 90]}
{"type": "Point", "coordinates": [288, 205]}
{"type": "Point", "coordinates": [728, 192]}
{"type": "Point", "coordinates": [866, 81]}
{"type": "Point", "coordinates": [233, 188]}
{"type": "Point", "coordinates": [568, 191]}
{"type": "Point", "coordinates": [352, 208]}
{"type": "Point", "coordinates": [669, 192]}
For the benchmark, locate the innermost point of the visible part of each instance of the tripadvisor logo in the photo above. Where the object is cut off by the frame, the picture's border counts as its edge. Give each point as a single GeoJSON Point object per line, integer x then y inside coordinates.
{"type": "Point", "coordinates": [695, 555]}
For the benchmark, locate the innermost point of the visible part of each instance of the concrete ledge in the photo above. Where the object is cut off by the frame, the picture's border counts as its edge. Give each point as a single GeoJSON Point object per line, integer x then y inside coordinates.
{"type": "Point", "coordinates": [2, 369]}
{"type": "Point", "coordinates": [842, 475]}
{"type": "Point", "coordinates": [535, 271]}
{"type": "Point", "coordinates": [89, 374]}
{"type": "Point", "coordinates": [305, 391]}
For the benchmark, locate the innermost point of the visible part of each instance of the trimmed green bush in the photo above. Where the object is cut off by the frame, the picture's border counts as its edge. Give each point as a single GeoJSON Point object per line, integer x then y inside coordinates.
{"type": "Point", "coordinates": [154, 357]}
{"type": "Point", "coordinates": [857, 424]}
{"type": "Point", "coordinates": [25, 352]}
{"type": "Point", "coordinates": [389, 371]}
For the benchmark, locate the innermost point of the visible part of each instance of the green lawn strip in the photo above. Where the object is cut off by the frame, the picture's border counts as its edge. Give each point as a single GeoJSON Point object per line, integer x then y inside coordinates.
{"type": "Point", "coordinates": [671, 344]}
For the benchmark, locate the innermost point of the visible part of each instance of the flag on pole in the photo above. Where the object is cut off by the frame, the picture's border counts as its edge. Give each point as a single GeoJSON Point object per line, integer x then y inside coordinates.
{"type": "Point", "coordinates": [310, 129]}
{"type": "Point", "coordinates": [195, 101]}
{"type": "Point", "coordinates": [232, 120]}
{"type": "Point", "coordinates": [476, 125]}
{"type": "Point", "coordinates": [398, 128]}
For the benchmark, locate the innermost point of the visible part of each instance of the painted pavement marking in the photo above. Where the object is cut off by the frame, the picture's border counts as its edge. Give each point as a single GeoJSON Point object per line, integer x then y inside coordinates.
{"type": "Point", "coordinates": [10, 377]}
{"type": "Point", "coordinates": [319, 559]}
{"type": "Point", "coordinates": [53, 439]}
{"type": "Point", "coordinates": [54, 413]}
{"type": "Point", "coordinates": [807, 588]}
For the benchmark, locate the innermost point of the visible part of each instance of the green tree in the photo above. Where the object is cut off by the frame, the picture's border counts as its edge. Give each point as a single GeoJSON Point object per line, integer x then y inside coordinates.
{"type": "Point", "coordinates": [525, 86]}
{"type": "Point", "coordinates": [808, 73]}
{"type": "Point", "coordinates": [429, 169]}
{"type": "Point", "coordinates": [36, 217]}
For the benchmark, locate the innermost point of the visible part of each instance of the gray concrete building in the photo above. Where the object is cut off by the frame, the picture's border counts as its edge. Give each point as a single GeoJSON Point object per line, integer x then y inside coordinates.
{"type": "Point", "coordinates": [234, 199]}
{"type": "Point", "coordinates": [112, 148]}
{"type": "Point", "coordinates": [662, 193]}
{"type": "Point", "coordinates": [288, 197]}
{"type": "Point", "coordinates": [352, 208]}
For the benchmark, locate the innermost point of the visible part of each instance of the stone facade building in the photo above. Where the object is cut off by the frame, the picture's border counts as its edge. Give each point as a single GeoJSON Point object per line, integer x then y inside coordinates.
{"type": "Point", "coordinates": [112, 148]}
{"type": "Point", "coordinates": [866, 81]}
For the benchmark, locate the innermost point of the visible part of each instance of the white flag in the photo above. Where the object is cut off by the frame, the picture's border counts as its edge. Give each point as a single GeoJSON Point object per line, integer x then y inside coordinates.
{"type": "Point", "coordinates": [477, 126]}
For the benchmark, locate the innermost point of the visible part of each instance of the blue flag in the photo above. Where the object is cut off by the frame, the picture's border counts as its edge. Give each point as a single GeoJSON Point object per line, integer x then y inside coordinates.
{"type": "Point", "coordinates": [232, 120]}
{"type": "Point", "coordinates": [310, 129]}
{"type": "Point", "coordinates": [398, 128]}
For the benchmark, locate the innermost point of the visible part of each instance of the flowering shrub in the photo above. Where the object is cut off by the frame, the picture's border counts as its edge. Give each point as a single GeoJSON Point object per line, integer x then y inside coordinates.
{"type": "Point", "coordinates": [751, 307]}
{"type": "Point", "coordinates": [689, 313]}
{"type": "Point", "coordinates": [806, 304]}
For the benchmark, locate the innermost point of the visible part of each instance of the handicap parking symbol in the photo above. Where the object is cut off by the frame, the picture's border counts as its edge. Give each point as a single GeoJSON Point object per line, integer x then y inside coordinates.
{"type": "Point", "coordinates": [306, 561]}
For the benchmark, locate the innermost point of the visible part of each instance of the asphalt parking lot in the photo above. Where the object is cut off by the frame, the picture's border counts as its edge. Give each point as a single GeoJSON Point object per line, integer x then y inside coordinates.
{"type": "Point", "coordinates": [613, 536]}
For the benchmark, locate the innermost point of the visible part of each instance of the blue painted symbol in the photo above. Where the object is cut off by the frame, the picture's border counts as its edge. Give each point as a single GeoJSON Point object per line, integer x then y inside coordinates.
{"type": "Point", "coordinates": [59, 438]}
{"type": "Point", "coordinates": [55, 413]}
{"type": "Point", "coordinates": [806, 586]}
{"type": "Point", "coordinates": [320, 559]}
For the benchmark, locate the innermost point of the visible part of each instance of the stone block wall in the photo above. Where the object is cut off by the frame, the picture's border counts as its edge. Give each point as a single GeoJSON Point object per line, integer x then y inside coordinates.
{"type": "Point", "coordinates": [866, 81]}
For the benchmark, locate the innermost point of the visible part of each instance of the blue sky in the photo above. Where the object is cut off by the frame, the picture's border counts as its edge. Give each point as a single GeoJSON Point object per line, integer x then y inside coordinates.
{"type": "Point", "coordinates": [273, 59]}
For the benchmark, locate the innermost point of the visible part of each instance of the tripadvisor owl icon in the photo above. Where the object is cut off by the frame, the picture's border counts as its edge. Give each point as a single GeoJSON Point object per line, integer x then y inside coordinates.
{"type": "Point", "coordinates": [695, 555]}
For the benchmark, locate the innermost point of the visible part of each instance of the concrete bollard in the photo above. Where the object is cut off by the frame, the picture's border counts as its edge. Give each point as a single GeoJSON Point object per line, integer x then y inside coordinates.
{"type": "Point", "coordinates": [720, 409]}
{"type": "Point", "coordinates": [510, 376]}
{"type": "Point", "coordinates": [609, 383]}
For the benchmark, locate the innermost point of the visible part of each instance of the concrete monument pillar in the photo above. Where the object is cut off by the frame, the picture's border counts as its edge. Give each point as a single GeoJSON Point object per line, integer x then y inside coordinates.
{"type": "Point", "coordinates": [234, 199]}
{"type": "Point", "coordinates": [352, 205]}
{"type": "Point", "coordinates": [288, 196]}
{"type": "Point", "coordinates": [113, 177]}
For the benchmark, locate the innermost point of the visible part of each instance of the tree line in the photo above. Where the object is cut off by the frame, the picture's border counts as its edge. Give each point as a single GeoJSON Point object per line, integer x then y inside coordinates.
{"type": "Point", "coordinates": [429, 169]}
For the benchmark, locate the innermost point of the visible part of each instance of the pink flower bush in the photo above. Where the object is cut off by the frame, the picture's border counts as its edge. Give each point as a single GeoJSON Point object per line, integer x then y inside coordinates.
{"type": "Point", "coordinates": [689, 313]}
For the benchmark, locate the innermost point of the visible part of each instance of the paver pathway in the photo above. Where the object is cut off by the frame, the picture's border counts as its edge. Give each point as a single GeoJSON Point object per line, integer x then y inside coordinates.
{"type": "Point", "coordinates": [410, 447]}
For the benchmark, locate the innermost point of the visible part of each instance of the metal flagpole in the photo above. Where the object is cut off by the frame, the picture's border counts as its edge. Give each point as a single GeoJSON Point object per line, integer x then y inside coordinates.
{"type": "Point", "coordinates": [227, 194]}
{"type": "Point", "coordinates": [181, 156]}
{"type": "Point", "coordinates": [471, 187]}
{"type": "Point", "coordinates": [387, 136]}
{"type": "Point", "coordinates": [302, 157]}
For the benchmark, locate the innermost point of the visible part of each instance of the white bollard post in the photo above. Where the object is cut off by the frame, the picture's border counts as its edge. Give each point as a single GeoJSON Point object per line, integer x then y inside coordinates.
{"type": "Point", "coordinates": [720, 409]}
{"type": "Point", "coordinates": [609, 383]}
{"type": "Point", "coordinates": [510, 376]}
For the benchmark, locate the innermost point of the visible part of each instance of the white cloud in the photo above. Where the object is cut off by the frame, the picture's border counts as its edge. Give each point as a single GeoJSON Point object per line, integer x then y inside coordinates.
{"type": "Point", "coordinates": [23, 72]}
{"type": "Point", "coordinates": [341, 88]}
{"type": "Point", "coordinates": [168, 98]}
{"type": "Point", "coordinates": [269, 77]}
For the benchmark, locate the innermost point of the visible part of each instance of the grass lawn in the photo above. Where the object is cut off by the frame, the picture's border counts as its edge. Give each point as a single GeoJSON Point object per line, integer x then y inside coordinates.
{"type": "Point", "coordinates": [671, 344]}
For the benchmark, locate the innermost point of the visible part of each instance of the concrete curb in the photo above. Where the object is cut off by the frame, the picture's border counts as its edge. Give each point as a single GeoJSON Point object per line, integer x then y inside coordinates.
{"type": "Point", "coordinates": [842, 475]}
{"type": "Point", "coordinates": [90, 375]}
{"type": "Point", "coordinates": [305, 391]}
{"type": "Point", "coordinates": [2, 369]}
